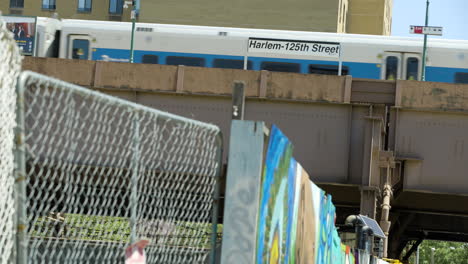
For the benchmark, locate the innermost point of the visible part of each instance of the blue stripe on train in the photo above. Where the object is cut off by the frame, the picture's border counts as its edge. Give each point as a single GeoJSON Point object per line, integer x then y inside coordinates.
{"type": "Point", "coordinates": [356, 69]}
{"type": "Point", "coordinates": [442, 74]}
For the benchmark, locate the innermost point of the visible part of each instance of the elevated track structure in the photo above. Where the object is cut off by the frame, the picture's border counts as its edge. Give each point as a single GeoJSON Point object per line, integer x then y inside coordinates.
{"type": "Point", "coordinates": [396, 151]}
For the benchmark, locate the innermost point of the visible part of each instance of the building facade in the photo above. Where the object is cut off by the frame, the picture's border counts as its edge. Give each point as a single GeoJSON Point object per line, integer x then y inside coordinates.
{"type": "Point", "coordinates": [370, 17]}
{"type": "Point", "coordinates": [76, 9]}
{"type": "Point", "coordinates": [343, 16]}
{"type": "Point", "coordinates": [307, 15]}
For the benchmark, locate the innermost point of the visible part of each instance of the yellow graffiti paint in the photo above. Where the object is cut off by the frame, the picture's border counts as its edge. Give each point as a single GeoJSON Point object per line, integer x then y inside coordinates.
{"type": "Point", "coordinates": [274, 250]}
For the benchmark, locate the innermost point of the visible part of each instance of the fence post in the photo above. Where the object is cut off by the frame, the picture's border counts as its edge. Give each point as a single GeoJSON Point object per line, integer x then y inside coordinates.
{"type": "Point", "coordinates": [238, 100]}
{"type": "Point", "coordinates": [214, 232]}
{"type": "Point", "coordinates": [134, 178]}
{"type": "Point", "coordinates": [20, 178]}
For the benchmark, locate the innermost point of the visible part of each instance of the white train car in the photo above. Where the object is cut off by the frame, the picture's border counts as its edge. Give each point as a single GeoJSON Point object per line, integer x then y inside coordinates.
{"type": "Point", "coordinates": [362, 56]}
{"type": "Point", "coordinates": [48, 31]}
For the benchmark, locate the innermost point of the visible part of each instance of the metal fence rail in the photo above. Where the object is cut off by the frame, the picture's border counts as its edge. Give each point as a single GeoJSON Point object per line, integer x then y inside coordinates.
{"type": "Point", "coordinates": [10, 66]}
{"type": "Point", "coordinates": [102, 173]}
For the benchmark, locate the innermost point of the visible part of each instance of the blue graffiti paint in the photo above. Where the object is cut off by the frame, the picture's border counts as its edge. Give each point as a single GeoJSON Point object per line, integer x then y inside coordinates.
{"type": "Point", "coordinates": [276, 148]}
{"type": "Point", "coordinates": [291, 206]}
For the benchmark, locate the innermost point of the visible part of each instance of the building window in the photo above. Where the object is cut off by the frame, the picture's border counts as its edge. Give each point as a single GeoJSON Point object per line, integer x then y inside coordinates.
{"type": "Point", "coordinates": [327, 69]}
{"type": "Point", "coordinates": [150, 59]}
{"type": "Point", "coordinates": [48, 4]}
{"type": "Point", "coordinates": [231, 64]}
{"type": "Point", "coordinates": [16, 3]}
{"type": "Point", "coordinates": [461, 77]}
{"type": "Point", "coordinates": [187, 61]}
{"type": "Point", "coordinates": [412, 68]}
{"type": "Point", "coordinates": [115, 7]}
{"type": "Point", "coordinates": [391, 68]}
{"type": "Point", "coordinates": [280, 66]}
{"type": "Point", "coordinates": [85, 5]}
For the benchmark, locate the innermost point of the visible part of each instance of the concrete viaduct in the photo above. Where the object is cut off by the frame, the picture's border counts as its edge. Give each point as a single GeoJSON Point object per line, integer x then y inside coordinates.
{"type": "Point", "coordinates": [392, 150]}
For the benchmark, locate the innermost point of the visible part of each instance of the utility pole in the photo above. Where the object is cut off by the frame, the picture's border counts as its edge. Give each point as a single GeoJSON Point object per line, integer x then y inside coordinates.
{"type": "Point", "coordinates": [417, 255]}
{"type": "Point", "coordinates": [432, 255]}
{"type": "Point", "coordinates": [423, 75]}
{"type": "Point", "coordinates": [133, 17]}
{"type": "Point", "coordinates": [426, 30]}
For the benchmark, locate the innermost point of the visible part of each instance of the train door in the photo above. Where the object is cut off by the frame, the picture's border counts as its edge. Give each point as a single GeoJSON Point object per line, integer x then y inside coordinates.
{"type": "Point", "coordinates": [391, 66]}
{"type": "Point", "coordinates": [79, 47]}
{"type": "Point", "coordinates": [401, 66]}
{"type": "Point", "coordinates": [412, 66]}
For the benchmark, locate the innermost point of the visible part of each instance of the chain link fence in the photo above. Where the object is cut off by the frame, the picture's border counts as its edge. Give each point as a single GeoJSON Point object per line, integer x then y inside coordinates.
{"type": "Point", "coordinates": [10, 66]}
{"type": "Point", "coordinates": [102, 173]}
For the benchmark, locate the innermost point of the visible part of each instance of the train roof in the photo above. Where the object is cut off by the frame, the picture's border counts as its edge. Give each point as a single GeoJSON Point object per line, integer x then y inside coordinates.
{"type": "Point", "coordinates": [266, 33]}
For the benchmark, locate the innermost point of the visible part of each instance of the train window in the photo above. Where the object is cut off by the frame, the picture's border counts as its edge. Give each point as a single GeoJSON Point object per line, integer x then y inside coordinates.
{"type": "Point", "coordinates": [80, 49]}
{"type": "Point", "coordinates": [187, 61]}
{"type": "Point", "coordinates": [115, 7]}
{"type": "Point", "coordinates": [16, 3]}
{"type": "Point", "coordinates": [412, 67]}
{"type": "Point", "coordinates": [231, 64]}
{"type": "Point", "coordinates": [280, 66]}
{"type": "Point", "coordinates": [461, 77]}
{"type": "Point", "coordinates": [391, 68]}
{"type": "Point", "coordinates": [84, 5]}
{"type": "Point", "coordinates": [327, 69]}
{"type": "Point", "coordinates": [150, 59]}
{"type": "Point", "coordinates": [48, 4]}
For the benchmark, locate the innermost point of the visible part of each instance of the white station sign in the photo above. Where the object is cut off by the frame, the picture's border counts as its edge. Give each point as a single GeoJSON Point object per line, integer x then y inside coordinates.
{"type": "Point", "coordinates": [437, 31]}
{"type": "Point", "coordinates": [294, 47]}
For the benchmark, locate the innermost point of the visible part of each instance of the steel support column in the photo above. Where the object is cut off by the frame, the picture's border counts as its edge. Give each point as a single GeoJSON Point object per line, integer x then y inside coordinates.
{"type": "Point", "coordinates": [371, 170]}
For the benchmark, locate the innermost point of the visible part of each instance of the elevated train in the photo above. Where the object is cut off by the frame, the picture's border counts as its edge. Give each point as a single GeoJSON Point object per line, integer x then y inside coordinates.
{"type": "Point", "coordinates": [362, 56]}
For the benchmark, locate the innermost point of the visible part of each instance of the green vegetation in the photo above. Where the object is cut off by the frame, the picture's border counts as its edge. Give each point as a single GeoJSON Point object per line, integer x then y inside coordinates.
{"type": "Point", "coordinates": [117, 229]}
{"type": "Point", "coordinates": [444, 252]}
{"type": "Point", "coordinates": [83, 227]}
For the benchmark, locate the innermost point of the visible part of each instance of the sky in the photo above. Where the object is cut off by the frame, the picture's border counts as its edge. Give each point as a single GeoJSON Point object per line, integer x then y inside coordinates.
{"type": "Point", "coordinates": [452, 15]}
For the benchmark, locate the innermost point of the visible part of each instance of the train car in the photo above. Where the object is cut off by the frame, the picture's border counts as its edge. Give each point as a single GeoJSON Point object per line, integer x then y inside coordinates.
{"type": "Point", "coordinates": [362, 56]}
{"type": "Point", "coordinates": [47, 37]}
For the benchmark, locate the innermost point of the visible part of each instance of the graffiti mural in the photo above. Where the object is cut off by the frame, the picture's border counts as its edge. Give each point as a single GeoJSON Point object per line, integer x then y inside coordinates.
{"type": "Point", "coordinates": [285, 234]}
{"type": "Point", "coordinates": [307, 224]}
{"type": "Point", "coordinates": [296, 222]}
{"type": "Point", "coordinates": [277, 193]}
